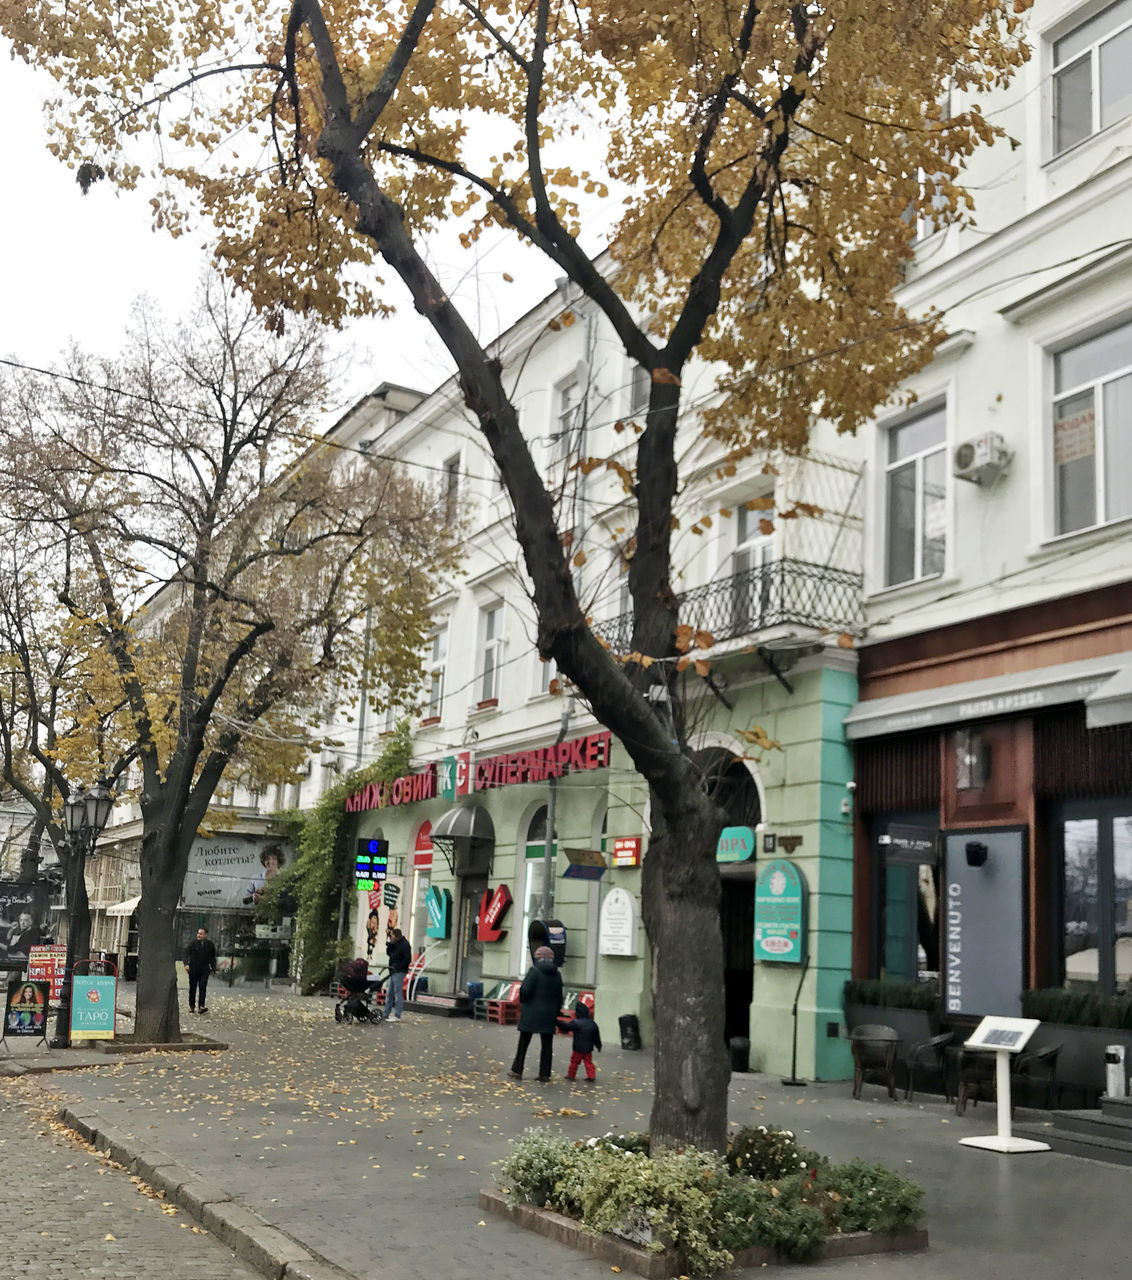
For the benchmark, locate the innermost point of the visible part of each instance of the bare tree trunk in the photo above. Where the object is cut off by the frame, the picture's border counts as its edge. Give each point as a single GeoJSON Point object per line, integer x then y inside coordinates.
{"type": "Point", "coordinates": [162, 875]}
{"type": "Point", "coordinates": [680, 902]}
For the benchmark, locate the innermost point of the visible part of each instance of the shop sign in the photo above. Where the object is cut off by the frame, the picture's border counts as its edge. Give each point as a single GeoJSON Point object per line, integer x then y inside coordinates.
{"type": "Point", "coordinates": [904, 843]}
{"type": "Point", "coordinates": [627, 851]}
{"type": "Point", "coordinates": [736, 844]}
{"type": "Point", "coordinates": [780, 913]}
{"type": "Point", "coordinates": [617, 925]}
{"type": "Point", "coordinates": [422, 848]}
{"type": "Point", "coordinates": [26, 1011]}
{"type": "Point", "coordinates": [438, 904]}
{"type": "Point", "coordinates": [493, 907]}
{"type": "Point", "coordinates": [48, 964]}
{"type": "Point", "coordinates": [984, 923]}
{"type": "Point", "coordinates": [456, 775]}
{"type": "Point", "coordinates": [92, 1006]}
{"type": "Point", "coordinates": [584, 864]}
{"type": "Point", "coordinates": [371, 864]}
{"type": "Point", "coordinates": [572, 756]}
{"type": "Point", "coordinates": [406, 790]}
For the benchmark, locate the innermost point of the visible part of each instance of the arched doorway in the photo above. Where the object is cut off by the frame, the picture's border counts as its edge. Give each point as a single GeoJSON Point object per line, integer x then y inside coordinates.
{"type": "Point", "coordinates": [731, 784]}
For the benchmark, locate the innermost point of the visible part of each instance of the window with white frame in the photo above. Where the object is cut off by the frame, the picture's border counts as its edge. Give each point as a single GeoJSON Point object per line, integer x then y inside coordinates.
{"type": "Point", "coordinates": [491, 652]}
{"type": "Point", "coordinates": [640, 388]}
{"type": "Point", "coordinates": [1092, 75]}
{"type": "Point", "coordinates": [451, 487]}
{"type": "Point", "coordinates": [752, 577]}
{"type": "Point", "coordinates": [1092, 431]}
{"type": "Point", "coordinates": [438, 661]}
{"type": "Point", "coordinates": [567, 409]}
{"type": "Point", "coordinates": [915, 498]}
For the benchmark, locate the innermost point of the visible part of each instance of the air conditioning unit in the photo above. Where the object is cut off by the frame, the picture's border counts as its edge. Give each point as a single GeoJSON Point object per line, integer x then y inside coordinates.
{"type": "Point", "coordinates": [981, 460]}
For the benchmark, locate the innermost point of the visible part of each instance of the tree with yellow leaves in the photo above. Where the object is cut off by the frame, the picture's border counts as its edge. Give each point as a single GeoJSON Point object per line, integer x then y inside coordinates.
{"type": "Point", "coordinates": [190, 582]}
{"type": "Point", "coordinates": [770, 152]}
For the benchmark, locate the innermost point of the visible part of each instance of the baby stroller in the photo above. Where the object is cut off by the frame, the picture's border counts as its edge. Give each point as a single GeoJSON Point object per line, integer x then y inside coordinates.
{"type": "Point", "coordinates": [356, 990]}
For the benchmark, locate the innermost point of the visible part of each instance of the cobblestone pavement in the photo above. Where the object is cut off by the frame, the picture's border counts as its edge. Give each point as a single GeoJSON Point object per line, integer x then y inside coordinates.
{"type": "Point", "coordinates": [369, 1146]}
{"type": "Point", "coordinates": [66, 1212]}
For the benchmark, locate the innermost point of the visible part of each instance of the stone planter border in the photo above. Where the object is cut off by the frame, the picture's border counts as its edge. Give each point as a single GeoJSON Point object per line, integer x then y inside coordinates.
{"type": "Point", "coordinates": [660, 1266]}
{"type": "Point", "coordinates": [125, 1044]}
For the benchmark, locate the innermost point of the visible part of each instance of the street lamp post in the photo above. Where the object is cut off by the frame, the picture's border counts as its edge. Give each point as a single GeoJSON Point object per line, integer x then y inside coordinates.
{"type": "Point", "coordinates": [85, 814]}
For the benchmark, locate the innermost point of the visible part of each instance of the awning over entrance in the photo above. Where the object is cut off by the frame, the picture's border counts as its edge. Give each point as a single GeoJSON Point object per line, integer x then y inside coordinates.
{"type": "Point", "coordinates": [467, 822]}
{"type": "Point", "coordinates": [1013, 693]}
{"type": "Point", "coordinates": [126, 908]}
{"type": "Point", "coordinates": [1112, 702]}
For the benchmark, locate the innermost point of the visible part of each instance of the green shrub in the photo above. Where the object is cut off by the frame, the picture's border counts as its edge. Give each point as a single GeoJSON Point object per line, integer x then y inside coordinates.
{"type": "Point", "coordinates": [629, 1141]}
{"type": "Point", "coordinates": [1078, 1008]}
{"type": "Point", "coordinates": [882, 994]}
{"type": "Point", "coordinates": [670, 1199]}
{"type": "Point", "coordinates": [752, 1213]}
{"type": "Point", "coordinates": [766, 1152]}
{"type": "Point", "coordinates": [538, 1162]}
{"type": "Point", "coordinates": [855, 1197]}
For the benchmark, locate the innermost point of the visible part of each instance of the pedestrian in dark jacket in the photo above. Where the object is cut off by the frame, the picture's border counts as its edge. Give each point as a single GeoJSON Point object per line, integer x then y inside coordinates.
{"type": "Point", "coordinates": [200, 962]}
{"type": "Point", "coordinates": [587, 1038]}
{"type": "Point", "coordinates": [540, 1003]}
{"type": "Point", "coordinates": [400, 958]}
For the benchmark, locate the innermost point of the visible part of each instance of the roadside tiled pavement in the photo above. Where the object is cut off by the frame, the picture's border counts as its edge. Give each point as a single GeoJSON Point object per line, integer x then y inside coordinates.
{"type": "Point", "coordinates": [369, 1145]}
{"type": "Point", "coordinates": [65, 1212]}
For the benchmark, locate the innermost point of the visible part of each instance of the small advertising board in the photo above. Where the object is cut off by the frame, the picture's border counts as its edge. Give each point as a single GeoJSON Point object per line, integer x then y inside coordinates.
{"type": "Point", "coordinates": [780, 913]}
{"type": "Point", "coordinates": [25, 1013]}
{"type": "Point", "coordinates": [627, 851]}
{"type": "Point", "coordinates": [48, 964]}
{"type": "Point", "coordinates": [93, 1000]}
{"type": "Point", "coordinates": [736, 844]}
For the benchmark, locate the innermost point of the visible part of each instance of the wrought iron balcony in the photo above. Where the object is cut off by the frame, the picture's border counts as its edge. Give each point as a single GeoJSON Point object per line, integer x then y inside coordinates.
{"type": "Point", "coordinates": [782, 593]}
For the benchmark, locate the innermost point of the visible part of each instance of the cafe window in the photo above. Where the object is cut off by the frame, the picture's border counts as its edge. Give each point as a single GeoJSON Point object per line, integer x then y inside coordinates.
{"type": "Point", "coordinates": [1093, 870]}
{"type": "Point", "coordinates": [907, 911]}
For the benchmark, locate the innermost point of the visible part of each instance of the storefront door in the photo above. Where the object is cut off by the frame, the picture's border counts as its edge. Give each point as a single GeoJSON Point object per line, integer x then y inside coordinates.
{"type": "Point", "coordinates": [470, 960]}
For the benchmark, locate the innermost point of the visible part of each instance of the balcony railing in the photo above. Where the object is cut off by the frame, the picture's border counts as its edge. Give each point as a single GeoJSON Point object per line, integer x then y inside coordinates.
{"type": "Point", "coordinates": [785, 592]}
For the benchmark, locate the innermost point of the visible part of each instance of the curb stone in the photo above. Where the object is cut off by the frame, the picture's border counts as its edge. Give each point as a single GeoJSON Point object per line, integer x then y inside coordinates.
{"type": "Point", "coordinates": [268, 1250]}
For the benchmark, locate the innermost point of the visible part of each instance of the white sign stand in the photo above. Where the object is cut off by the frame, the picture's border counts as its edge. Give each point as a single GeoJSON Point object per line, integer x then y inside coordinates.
{"type": "Point", "coordinates": [1003, 1037]}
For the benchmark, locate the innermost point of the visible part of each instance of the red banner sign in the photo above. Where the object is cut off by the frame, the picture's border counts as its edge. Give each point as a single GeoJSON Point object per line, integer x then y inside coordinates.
{"type": "Point", "coordinates": [493, 907]}
{"type": "Point", "coordinates": [573, 756]}
{"type": "Point", "coordinates": [407, 790]}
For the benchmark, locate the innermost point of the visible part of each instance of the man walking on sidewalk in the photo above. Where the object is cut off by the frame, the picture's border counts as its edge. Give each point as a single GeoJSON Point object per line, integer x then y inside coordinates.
{"type": "Point", "coordinates": [200, 962]}
{"type": "Point", "coordinates": [400, 957]}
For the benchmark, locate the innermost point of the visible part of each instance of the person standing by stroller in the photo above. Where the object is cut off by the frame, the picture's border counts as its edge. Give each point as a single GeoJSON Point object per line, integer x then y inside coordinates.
{"type": "Point", "coordinates": [587, 1038]}
{"type": "Point", "coordinates": [400, 958]}
{"type": "Point", "coordinates": [540, 1003]}
{"type": "Point", "coordinates": [200, 963]}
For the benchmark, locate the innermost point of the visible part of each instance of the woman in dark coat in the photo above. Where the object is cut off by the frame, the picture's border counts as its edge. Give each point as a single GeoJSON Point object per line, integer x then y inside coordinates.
{"type": "Point", "coordinates": [540, 1003]}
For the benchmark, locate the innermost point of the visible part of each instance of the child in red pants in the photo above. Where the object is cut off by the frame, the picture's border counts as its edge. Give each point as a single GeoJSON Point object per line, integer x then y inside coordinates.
{"type": "Point", "coordinates": [587, 1038]}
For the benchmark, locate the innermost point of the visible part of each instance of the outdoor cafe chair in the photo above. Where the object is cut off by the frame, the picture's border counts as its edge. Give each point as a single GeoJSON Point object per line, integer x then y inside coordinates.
{"type": "Point", "coordinates": [874, 1056]}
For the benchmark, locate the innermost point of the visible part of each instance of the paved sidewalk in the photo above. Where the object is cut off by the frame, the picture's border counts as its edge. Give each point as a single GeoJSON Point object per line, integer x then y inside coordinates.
{"type": "Point", "coordinates": [368, 1145]}
{"type": "Point", "coordinates": [65, 1212]}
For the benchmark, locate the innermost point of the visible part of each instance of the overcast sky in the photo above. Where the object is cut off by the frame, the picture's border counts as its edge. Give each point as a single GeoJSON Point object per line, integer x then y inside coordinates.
{"type": "Point", "coordinates": [74, 265]}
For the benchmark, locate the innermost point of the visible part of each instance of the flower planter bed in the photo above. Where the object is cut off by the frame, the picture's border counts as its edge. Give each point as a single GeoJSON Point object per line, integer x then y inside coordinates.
{"type": "Point", "coordinates": [659, 1266]}
{"type": "Point", "coordinates": [695, 1213]}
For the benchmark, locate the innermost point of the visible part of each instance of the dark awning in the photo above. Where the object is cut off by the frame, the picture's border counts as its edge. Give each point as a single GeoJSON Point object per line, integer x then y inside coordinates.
{"type": "Point", "coordinates": [1013, 693]}
{"type": "Point", "coordinates": [463, 821]}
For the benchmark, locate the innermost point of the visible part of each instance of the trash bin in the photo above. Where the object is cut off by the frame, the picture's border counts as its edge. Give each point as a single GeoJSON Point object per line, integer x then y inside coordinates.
{"type": "Point", "coordinates": [475, 992]}
{"type": "Point", "coordinates": [740, 1049]}
{"type": "Point", "coordinates": [1115, 1083]}
{"type": "Point", "coordinates": [630, 1031]}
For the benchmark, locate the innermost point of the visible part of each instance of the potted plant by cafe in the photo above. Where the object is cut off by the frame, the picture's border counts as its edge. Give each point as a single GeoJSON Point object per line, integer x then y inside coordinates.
{"type": "Point", "coordinates": [911, 1009]}
{"type": "Point", "coordinates": [1083, 1023]}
